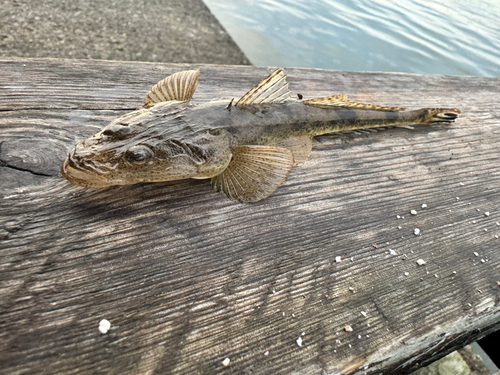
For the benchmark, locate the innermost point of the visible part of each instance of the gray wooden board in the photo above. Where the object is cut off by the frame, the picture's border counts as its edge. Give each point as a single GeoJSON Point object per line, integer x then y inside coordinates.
{"type": "Point", "coordinates": [188, 278]}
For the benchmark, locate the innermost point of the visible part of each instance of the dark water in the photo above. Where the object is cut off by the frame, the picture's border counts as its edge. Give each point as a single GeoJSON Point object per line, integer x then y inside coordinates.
{"type": "Point", "coordinates": [455, 37]}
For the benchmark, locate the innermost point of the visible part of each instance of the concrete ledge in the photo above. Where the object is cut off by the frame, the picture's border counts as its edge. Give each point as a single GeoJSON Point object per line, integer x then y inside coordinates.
{"type": "Point", "coordinates": [134, 30]}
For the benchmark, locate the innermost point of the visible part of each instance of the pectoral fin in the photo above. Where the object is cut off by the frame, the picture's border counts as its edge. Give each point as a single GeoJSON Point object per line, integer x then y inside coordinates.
{"type": "Point", "coordinates": [300, 146]}
{"type": "Point", "coordinates": [254, 172]}
{"type": "Point", "coordinates": [335, 101]}
{"type": "Point", "coordinates": [273, 89]}
{"type": "Point", "coordinates": [178, 86]}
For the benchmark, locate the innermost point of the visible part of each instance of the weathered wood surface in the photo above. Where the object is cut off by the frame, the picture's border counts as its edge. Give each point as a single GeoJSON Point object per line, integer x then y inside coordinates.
{"type": "Point", "coordinates": [188, 278]}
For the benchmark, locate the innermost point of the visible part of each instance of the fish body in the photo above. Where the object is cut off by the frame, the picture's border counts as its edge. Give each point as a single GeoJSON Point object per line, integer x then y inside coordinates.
{"type": "Point", "coordinates": [246, 149]}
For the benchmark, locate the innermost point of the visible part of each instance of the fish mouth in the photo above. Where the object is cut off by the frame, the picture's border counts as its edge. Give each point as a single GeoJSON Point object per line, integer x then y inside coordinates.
{"type": "Point", "coordinates": [81, 177]}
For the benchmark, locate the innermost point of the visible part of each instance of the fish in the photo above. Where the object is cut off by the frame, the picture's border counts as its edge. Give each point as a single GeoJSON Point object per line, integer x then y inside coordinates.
{"type": "Point", "coordinates": [245, 147]}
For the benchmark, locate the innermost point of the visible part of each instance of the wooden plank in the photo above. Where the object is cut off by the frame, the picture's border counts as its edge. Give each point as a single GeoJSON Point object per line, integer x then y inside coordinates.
{"type": "Point", "coordinates": [187, 278]}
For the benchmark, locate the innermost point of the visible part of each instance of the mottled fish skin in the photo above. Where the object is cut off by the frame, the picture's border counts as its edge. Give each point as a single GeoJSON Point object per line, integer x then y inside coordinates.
{"type": "Point", "coordinates": [170, 139]}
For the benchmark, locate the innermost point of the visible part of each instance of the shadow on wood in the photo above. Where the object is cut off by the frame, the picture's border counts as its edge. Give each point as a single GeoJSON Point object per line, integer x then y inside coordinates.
{"type": "Point", "coordinates": [188, 278]}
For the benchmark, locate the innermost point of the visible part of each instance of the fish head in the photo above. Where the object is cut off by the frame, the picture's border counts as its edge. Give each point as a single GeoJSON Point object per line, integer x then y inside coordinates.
{"type": "Point", "coordinates": [139, 148]}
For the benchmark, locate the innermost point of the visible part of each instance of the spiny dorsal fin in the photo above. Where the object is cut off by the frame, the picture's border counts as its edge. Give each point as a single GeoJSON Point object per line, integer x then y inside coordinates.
{"type": "Point", "coordinates": [178, 86]}
{"type": "Point", "coordinates": [300, 146]}
{"type": "Point", "coordinates": [273, 89]}
{"type": "Point", "coordinates": [254, 172]}
{"type": "Point", "coordinates": [342, 101]}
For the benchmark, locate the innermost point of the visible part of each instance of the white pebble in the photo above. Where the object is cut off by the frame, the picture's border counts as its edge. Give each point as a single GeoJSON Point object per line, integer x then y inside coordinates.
{"type": "Point", "coordinates": [299, 341]}
{"type": "Point", "coordinates": [399, 226]}
{"type": "Point", "coordinates": [303, 334]}
{"type": "Point", "coordinates": [458, 198]}
{"type": "Point", "coordinates": [416, 231]}
{"type": "Point", "coordinates": [421, 262]}
{"type": "Point", "coordinates": [476, 254]}
{"type": "Point", "coordinates": [462, 184]}
{"type": "Point", "coordinates": [226, 362]}
{"type": "Point", "coordinates": [486, 213]}
{"type": "Point", "coordinates": [485, 229]}
{"type": "Point", "coordinates": [363, 313]}
{"type": "Point", "coordinates": [413, 212]}
{"type": "Point", "coordinates": [392, 252]}
{"type": "Point", "coordinates": [477, 209]}
{"type": "Point", "coordinates": [482, 261]}
{"type": "Point", "coordinates": [338, 259]}
{"type": "Point", "coordinates": [424, 205]}
{"type": "Point", "coordinates": [104, 326]}
{"type": "Point", "coordinates": [266, 352]}
{"type": "Point", "coordinates": [398, 217]}
{"type": "Point", "coordinates": [496, 235]}
{"type": "Point", "coordinates": [407, 273]}
{"type": "Point", "coordinates": [436, 276]}
{"type": "Point", "coordinates": [359, 336]}
{"type": "Point", "coordinates": [497, 223]}
{"type": "Point", "coordinates": [348, 328]}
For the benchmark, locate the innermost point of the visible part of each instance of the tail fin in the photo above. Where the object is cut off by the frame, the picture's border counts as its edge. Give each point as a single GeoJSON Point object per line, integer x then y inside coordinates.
{"type": "Point", "coordinates": [441, 115]}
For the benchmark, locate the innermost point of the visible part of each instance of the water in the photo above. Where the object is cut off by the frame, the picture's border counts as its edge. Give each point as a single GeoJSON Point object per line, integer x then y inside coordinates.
{"type": "Point", "coordinates": [457, 37]}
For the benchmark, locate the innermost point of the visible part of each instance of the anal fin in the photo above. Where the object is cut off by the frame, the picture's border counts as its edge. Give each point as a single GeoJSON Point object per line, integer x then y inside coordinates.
{"type": "Point", "coordinates": [254, 172]}
{"type": "Point", "coordinates": [336, 101]}
{"type": "Point", "coordinates": [300, 146]}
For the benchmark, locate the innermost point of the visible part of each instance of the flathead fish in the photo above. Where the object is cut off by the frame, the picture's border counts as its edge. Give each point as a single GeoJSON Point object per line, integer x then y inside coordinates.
{"type": "Point", "coordinates": [245, 147]}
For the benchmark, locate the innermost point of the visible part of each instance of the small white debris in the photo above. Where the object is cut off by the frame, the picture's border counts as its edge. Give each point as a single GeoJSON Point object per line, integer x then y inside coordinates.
{"type": "Point", "coordinates": [485, 229]}
{"type": "Point", "coordinates": [226, 362]}
{"type": "Point", "coordinates": [399, 226]}
{"type": "Point", "coordinates": [299, 341]}
{"type": "Point", "coordinates": [104, 326]}
{"type": "Point", "coordinates": [348, 328]}
{"type": "Point", "coordinates": [351, 289]}
{"type": "Point", "coordinates": [413, 212]}
{"type": "Point", "coordinates": [402, 217]}
{"type": "Point", "coordinates": [274, 292]}
{"type": "Point", "coordinates": [283, 313]}
{"type": "Point", "coordinates": [458, 198]}
{"type": "Point", "coordinates": [482, 261]}
{"type": "Point", "coordinates": [303, 334]}
{"type": "Point", "coordinates": [461, 184]}
{"type": "Point", "coordinates": [478, 210]}
{"type": "Point", "coordinates": [392, 252]}
{"type": "Point", "coordinates": [486, 213]}
{"type": "Point", "coordinates": [407, 273]}
{"type": "Point", "coordinates": [497, 223]}
{"type": "Point", "coordinates": [416, 231]}
{"type": "Point", "coordinates": [350, 346]}
{"type": "Point", "coordinates": [359, 337]}
{"type": "Point", "coordinates": [363, 313]}
{"type": "Point", "coordinates": [473, 221]}
{"type": "Point", "coordinates": [496, 235]}
{"type": "Point", "coordinates": [293, 315]}
{"type": "Point", "coordinates": [421, 262]}
{"type": "Point", "coordinates": [266, 352]}
{"type": "Point", "coordinates": [476, 254]}
{"type": "Point", "coordinates": [454, 272]}
{"type": "Point", "coordinates": [424, 205]}
{"type": "Point", "coordinates": [398, 217]}
{"type": "Point", "coordinates": [338, 259]}
{"type": "Point", "coordinates": [436, 276]}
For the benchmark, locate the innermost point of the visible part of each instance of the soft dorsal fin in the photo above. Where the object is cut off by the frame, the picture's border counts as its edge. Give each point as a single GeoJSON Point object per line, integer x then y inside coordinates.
{"type": "Point", "coordinates": [273, 89]}
{"type": "Point", "coordinates": [342, 101]}
{"type": "Point", "coordinates": [254, 172]}
{"type": "Point", "coordinates": [178, 86]}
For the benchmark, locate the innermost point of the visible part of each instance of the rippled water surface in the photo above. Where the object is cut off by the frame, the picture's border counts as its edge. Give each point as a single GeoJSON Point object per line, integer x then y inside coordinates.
{"type": "Point", "coordinates": [455, 37]}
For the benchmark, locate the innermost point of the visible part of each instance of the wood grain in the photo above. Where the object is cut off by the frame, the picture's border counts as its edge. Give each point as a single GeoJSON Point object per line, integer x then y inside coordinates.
{"type": "Point", "coordinates": [188, 278]}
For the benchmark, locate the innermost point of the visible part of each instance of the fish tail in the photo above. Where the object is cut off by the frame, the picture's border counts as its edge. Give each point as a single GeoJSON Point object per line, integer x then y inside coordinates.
{"type": "Point", "coordinates": [433, 115]}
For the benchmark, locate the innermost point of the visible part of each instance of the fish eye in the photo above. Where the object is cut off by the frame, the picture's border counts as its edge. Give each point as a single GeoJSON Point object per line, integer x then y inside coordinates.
{"type": "Point", "coordinates": [138, 154]}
